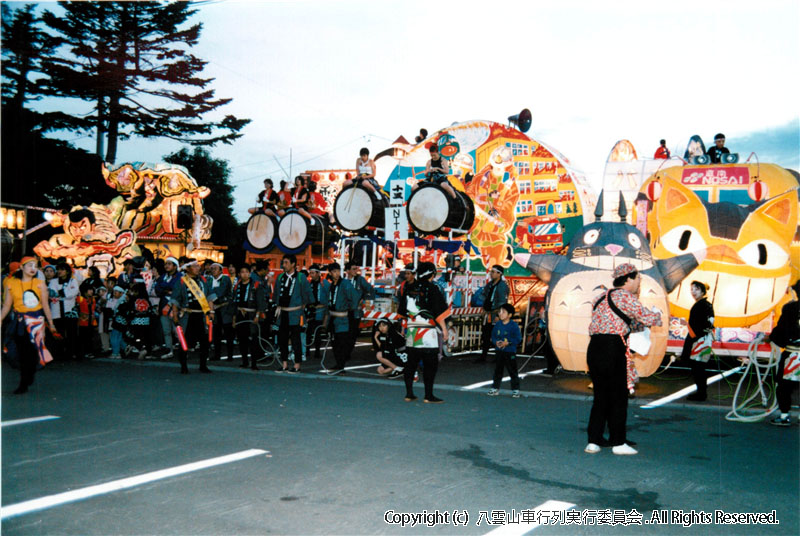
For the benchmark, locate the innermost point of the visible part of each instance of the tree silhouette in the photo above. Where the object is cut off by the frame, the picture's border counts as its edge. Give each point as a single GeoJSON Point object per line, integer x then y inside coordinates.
{"type": "Point", "coordinates": [132, 61]}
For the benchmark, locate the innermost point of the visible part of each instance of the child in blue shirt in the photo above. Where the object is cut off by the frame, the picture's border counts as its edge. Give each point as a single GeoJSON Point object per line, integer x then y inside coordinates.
{"type": "Point", "coordinates": [505, 338]}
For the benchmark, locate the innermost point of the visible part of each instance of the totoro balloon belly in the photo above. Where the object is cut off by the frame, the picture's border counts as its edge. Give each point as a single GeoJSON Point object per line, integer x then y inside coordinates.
{"type": "Point", "coordinates": [570, 312]}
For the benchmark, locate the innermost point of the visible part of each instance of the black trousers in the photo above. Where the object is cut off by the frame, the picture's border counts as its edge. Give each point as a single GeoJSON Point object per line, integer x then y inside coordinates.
{"type": "Point", "coordinates": [341, 347]}
{"type": "Point", "coordinates": [486, 338]}
{"type": "Point", "coordinates": [355, 331]}
{"type": "Point", "coordinates": [27, 355]}
{"type": "Point", "coordinates": [785, 387]}
{"type": "Point", "coordinates": [223, 330]}
{"type": "Point", "coordinates": [68, 329]}
{"type": "Point", "coordinates": [507, 360]}
{"type": "Point", "coordinates": [314, 337]}
{"type": "Point", "coordinates": [608, 370]}
{"type": "Point", "coordinates": [285, 333]}
{"type": "Point", "coordinates": [247, 335]}
{"type": "Point", "coordinates": [430, 364]}
{"type": "Point", "coordinates": [195, 331]}
{"type": "Point", "coordinates": [698, 368]}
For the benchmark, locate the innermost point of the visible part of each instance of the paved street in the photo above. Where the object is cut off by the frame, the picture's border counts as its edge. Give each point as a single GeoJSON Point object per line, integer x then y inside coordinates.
{"type": "Point", "coordinates": [339, 452]}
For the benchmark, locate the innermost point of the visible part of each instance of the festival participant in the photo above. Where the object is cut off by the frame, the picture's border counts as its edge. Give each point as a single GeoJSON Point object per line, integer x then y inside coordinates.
{"type": "Point", "coordinates": [119, 323]}
{"type": "Point", "coordinates": [300, 198]}
{"type": "Point", "coordinates": [220, 295]}
{"type": "Point", "coordinates": [715, 153]}
{"type": "Point", "coordinates": [49, 272]}
{"type": "Point", "coordinates": [365, 172]}
{"type": "Point", "coordinates": [662, 153]}
{"type": "Point", "coordinates": [436, 171]}
{"type": "Point", "coordinates": [284, 198]}
{"type": "Point", "coordinates": [495, 294]}
{"type": "Point", "coordinates": [364, 291]}
{"type": "Point", "coordinates": [607, 357]}
{"type": "Point", "coordinates": [317, 311]}
{"type": "Point", "coordinates": [402, 292]}
{"type": "Point", "coordinates": [342, 303]}
{"type": "Point", "coordinates": [26, 294]}
{"type": "Point", "coordinates": [164, 287]}
{"type": "Point", "coordinates": [137, 310]}
{"type": "Point", "coordinates": [64, 290]}
{"type": "Point", "coordinates": [427, 313]}
{"type": "Point", "coordinates": [701, 320]}
{"type": "Point", "coordinates": [422, 136]}
{"type": "Point", "coordinates": [125, 279]}
{"type": "Point", "coordinates": [191, 310]}
{"type": "Point", "coordinates": [249, 305]}
{"type": "Point", "coordinates": [786, 335]}
{"type": "Point", "coordinates": [292, 294]}
{"type": "Point", "coordinates": [317, 204]}
{"type": "Point", "coordinates": [505, 338]}
{"type": "Point", "coordinates": [390, 349]}
{"type": "Point", "coordinates": [86, 305]}
{"type": "Point", "coordinates": [267, 200]}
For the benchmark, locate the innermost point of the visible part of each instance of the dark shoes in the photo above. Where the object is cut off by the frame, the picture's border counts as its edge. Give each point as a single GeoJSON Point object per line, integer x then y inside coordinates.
{"type": "Point", "coordinates": [205, 370]}
{"type": "Point", "coordinates": [410, 398]}
{"type": "Point", "coordinates": [696, 397]}
{"type": "Point", "coordinates": [434, 400]}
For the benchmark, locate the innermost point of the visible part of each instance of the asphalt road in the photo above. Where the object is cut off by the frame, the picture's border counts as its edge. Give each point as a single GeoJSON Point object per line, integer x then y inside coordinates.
{"type": "Point", "coordinates": [342, 451]}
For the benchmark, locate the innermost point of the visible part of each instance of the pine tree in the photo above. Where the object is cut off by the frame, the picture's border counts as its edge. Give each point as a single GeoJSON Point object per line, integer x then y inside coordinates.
{"type": "Point", "coordinates": [132, 61]}
{"type": "Point", "coordinates": [24, 45]}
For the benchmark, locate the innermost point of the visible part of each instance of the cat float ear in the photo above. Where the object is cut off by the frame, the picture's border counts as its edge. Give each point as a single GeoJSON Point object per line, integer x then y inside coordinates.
{"type": "Point", "coordinates": [674, 196]}
{"type": "Point", "coordinates": [598, 209]}
{"type": "Point", "coordinates": [780, 213]}
{"type": "Point", "coordinates": [781, 208]}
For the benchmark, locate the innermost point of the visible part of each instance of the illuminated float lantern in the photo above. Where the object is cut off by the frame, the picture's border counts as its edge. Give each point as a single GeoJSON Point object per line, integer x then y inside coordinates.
{"type": "Point", "coordinates": [576, 281]}
{"type": "Point", "coordinates": [723, 208]}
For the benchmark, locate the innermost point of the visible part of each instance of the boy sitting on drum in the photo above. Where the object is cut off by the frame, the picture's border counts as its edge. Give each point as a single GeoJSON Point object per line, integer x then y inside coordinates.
{"type": "Point", "coordinates": [436, 171]}
{"type": "Point", "coordinates": [365, 169]}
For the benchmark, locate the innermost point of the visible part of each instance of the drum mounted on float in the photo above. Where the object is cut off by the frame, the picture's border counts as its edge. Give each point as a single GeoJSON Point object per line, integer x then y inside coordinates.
{"type": "Point", "coordinates": [431, 210]}
{"type": "Point", "coordinates": [356, 208]}
{"type": "Point", "coordinates": [260, 232]}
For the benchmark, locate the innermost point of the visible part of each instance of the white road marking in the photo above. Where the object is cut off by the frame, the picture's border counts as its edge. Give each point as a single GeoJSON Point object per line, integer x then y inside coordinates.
{"type": "Point", "coordinates": [358, 367]}
{"type": "Point", "coordinates": [688, 390]}
{"type": "Point", "coordinates": [27, 421]}
{"type": "Point", "coordinates": [505, 379]}
{"type": "Point", "coordinates": [116, 485]}
{"type": "Point", "coordinates": [518, 529]}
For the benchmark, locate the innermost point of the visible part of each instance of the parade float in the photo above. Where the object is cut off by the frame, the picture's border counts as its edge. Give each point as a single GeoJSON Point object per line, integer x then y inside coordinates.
{"type": "Point", "coordinates": [160, 206]}
{"type": "Point", "coordinates": [745, 215]}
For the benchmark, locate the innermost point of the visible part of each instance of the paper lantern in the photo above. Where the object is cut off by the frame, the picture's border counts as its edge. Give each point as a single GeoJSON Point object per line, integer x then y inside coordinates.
{"type": "Point", "coordinates": [654, 190]}
{"type": "Point", "coordinates": [577, 280]}
{"type": "Point", "coordinates": [746, 267]}
{"type": "Point", "coordinates": [758, 191]}
{"type": "Point", "coordinates": [332, 176]}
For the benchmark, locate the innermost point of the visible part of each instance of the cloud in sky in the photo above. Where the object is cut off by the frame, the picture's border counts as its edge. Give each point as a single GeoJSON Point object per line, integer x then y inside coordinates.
{"type": "Point", "coordinates": [326, 78]}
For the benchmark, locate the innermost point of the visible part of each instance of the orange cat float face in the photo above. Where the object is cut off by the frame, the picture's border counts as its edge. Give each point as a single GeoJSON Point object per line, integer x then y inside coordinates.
{"type": "Point", "coordinates": [747, 251]}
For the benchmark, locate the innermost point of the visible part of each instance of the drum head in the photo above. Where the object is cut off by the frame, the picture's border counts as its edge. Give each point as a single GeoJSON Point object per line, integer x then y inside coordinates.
{"type": "Point", "coordinates": [353, 209]}
{"type": "Point", "coordinates": [428, 209]}
{"type": "Point", "coordinates": [260, 231]}
{"type": "Point", "coordinates": [293, 230]}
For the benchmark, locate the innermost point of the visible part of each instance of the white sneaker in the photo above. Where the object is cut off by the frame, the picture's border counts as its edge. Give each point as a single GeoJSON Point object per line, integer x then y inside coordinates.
{"type": "Point", "coordinates": [168, 355]}
{"type": "Point", "coordinates": [592, 448]}
{"type": "Point", "coordinates": [515, 394]}
{"type": "Point", "coordinates": [624, 450]}
{"type": "Point", "coordinates": [493, 392]}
